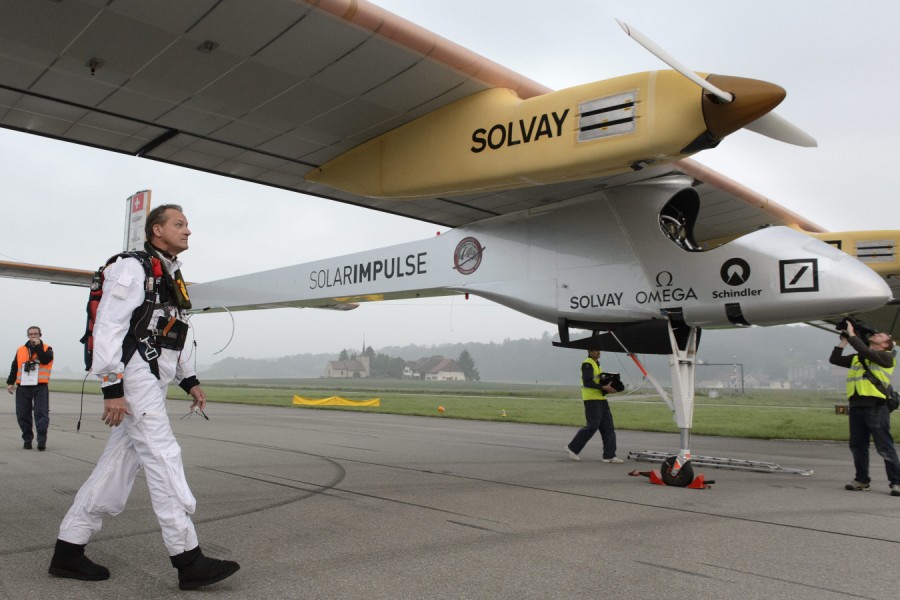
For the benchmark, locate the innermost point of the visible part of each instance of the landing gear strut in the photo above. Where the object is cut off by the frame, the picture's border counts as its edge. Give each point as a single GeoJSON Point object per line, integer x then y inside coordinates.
{"type": "Point", "coordinates": [677, 470]}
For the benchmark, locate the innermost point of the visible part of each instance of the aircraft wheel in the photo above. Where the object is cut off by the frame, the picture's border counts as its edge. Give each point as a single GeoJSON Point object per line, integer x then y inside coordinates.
{"type": "Point", "coordinates": [684, 477]}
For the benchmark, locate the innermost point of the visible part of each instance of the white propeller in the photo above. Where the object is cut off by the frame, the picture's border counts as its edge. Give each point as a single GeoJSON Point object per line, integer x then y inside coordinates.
{"type": "Point", "coordinates": [769, 125]}
{"type": "Point", "coordinates": [670, 60]}
{"type": "Point", "coordinates": [778, 128]}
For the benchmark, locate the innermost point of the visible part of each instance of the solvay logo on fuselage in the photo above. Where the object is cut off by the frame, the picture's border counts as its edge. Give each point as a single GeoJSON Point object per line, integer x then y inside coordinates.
{"type": "Point", "coordinates": [596, 300]}
{"type": "Point", "coordinates": [523, 131]}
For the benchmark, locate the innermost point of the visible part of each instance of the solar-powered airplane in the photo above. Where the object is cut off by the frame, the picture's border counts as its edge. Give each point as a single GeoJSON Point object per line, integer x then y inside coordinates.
{"type": "Point", "coordinates": [579, 207]}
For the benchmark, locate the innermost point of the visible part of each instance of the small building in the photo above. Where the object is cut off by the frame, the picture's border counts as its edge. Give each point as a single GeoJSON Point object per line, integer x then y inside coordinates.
{"type": "Point", "coordinates": [435, 368]}
{"type": "Point", "coordinates": [354, 367]}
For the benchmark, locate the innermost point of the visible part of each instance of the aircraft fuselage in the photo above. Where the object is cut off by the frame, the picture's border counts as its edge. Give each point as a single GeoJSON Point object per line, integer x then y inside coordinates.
{"type": "Point", "coordinates": [603, 258]}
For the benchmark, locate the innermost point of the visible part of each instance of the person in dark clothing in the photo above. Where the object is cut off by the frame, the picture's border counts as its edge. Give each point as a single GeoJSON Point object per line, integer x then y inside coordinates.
{"type": "Point", "coordinates": [869, 415]}
{"type": "Point", "coordinates": [29, 376]}
{"type": "Point", "coordinates": [597, 415]}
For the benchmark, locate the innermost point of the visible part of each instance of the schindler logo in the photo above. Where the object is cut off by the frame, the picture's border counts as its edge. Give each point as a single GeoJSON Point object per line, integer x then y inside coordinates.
{"type": "Point", "coordinates": [735, 271]}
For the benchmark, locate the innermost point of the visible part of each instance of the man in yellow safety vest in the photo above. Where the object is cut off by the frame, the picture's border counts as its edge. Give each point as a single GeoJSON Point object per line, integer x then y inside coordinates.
{"type": "Point", "coordinates": [869, 416]}
{"type": "Point", "coordinates": [597, 415]}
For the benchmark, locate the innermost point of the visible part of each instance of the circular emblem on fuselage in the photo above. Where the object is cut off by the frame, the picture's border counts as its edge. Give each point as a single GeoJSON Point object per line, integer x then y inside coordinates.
{"type": "Point", "coordinates": [735, 271]}
{"type": "Point", "coordinates": [467, 256]}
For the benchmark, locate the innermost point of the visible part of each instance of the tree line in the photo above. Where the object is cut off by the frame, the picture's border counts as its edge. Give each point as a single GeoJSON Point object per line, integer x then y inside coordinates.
{"type": "Point", "coordinates": [796, 353]}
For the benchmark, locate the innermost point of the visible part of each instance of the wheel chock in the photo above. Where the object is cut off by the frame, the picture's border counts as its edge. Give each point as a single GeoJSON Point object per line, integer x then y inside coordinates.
{"type": "Point", "coordinates": [698, 483]}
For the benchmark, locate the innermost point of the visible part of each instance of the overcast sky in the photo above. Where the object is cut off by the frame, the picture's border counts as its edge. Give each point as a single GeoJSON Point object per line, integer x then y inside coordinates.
{"type": "Point", "coordinates": [64, 204]}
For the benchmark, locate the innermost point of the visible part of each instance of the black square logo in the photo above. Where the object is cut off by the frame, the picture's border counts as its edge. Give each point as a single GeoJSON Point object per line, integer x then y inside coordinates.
{"type": "Point", "coordinates": [799, 275]}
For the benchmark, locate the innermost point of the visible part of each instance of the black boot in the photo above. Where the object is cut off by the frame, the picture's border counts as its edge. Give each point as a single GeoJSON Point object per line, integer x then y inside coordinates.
{"type": "Point", "coordinates": [196, 570]}
{"type": "Point", "coordinates": [69, 561]}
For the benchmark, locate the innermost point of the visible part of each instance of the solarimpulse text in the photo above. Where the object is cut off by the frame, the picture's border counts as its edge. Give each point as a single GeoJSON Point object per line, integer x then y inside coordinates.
{"type": "Point", "coordinates": [388, 268]}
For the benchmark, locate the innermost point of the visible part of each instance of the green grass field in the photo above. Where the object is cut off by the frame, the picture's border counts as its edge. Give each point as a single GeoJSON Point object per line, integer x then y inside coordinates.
{"type": "Point", "coordinates": [764, 414]}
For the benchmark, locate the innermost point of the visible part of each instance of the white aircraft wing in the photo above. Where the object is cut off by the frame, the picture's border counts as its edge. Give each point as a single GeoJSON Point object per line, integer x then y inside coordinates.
{"type": "Point", "coordinates": [265, 92]}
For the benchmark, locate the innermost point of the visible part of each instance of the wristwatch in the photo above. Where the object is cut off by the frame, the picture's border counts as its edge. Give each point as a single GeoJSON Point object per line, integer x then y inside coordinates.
{"type": "Point", "coordinates": [111, 378]}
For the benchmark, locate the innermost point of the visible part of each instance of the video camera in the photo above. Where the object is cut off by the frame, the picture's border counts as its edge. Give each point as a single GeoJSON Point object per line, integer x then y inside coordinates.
{"type": "Point", "coordinates": [863, 330]}
{"type": "Point", "coordinates": [612, 379]}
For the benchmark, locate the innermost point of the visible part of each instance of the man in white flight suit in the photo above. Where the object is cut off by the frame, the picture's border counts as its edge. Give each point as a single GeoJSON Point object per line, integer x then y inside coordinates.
{"type": "Point", "coordinates": [134, 407]}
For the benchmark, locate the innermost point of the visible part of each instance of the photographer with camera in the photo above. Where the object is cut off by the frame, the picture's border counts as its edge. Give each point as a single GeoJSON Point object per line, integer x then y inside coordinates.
{"type": "Point", "coordinates": [869, 415]}
{"type": "Point", "coordinates": [29, 376]}
{"type": "Point", "coordinates": [595, 384]}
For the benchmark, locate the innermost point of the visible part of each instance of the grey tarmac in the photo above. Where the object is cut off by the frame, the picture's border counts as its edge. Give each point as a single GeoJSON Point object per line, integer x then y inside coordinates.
{"type": "Point", "coordinates": [320, 503]}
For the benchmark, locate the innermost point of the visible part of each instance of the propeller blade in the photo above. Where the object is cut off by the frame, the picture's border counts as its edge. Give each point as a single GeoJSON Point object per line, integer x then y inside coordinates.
{"type": "Point", "coordinates": [769, 125]}
{"type": "Point", "coordinates": [779, 128]}
{"type": "Point", "coordinates": [664, 56]}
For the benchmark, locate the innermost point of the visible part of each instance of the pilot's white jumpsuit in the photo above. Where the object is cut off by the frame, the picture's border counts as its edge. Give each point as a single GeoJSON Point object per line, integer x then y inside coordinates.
{"type": "Point", "coordinates": [144, 438]}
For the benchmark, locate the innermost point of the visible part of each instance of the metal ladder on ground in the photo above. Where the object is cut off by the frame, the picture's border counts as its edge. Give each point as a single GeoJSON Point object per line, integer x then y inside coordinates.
{"type": "Point", "coordinates": [722, 463]}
